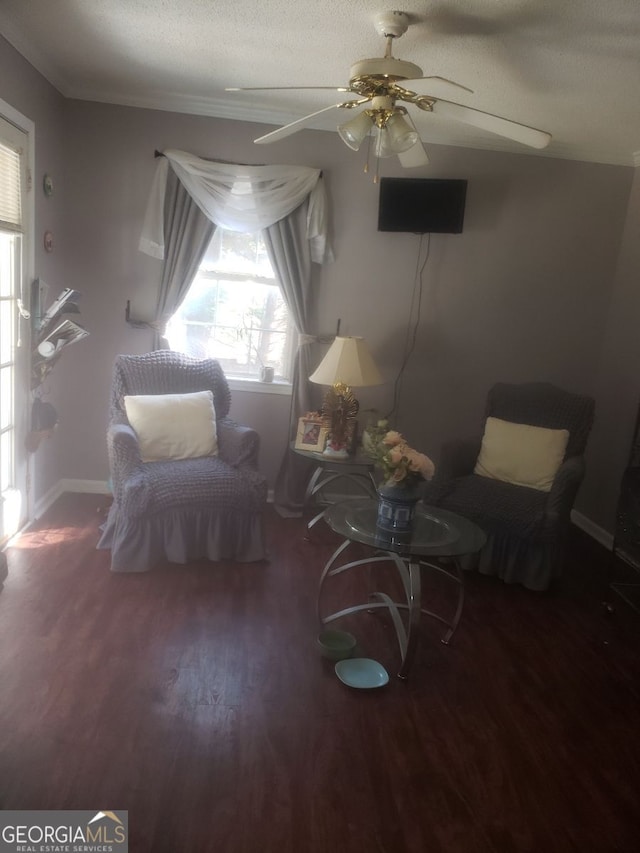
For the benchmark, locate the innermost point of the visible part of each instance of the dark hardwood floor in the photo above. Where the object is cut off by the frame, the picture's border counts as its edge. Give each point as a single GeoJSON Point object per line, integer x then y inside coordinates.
{"type": "Point", "coordinates": [194, 697]}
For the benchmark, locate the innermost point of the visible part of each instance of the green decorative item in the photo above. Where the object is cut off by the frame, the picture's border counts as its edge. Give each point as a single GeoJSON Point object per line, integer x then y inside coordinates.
{"type": "Point", "coordinates": [336, 645]}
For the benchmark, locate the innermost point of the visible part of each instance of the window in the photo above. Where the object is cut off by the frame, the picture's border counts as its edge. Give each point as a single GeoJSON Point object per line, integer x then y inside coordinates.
{"type": "Point", "coordinates": [234, 311]}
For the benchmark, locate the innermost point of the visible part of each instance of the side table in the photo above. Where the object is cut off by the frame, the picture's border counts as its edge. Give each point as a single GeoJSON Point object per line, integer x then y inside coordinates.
{"type": "Point", "coordinates": [356, 469]}
{"type": "Point", "coordinates": [435, 534]}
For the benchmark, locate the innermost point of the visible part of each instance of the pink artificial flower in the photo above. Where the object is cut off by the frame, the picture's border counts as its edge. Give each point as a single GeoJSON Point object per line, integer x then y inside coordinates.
{"type": "Point", "coordinates": [400, 462]}
{"type": "Point", "coordinates": [426, 466]}
{"type": "Point", "coordinates": [413, 459]}
{"type": "Point", "coordinates": [395, 455]}
{"type": "Point", "coordinates": [392, 438]}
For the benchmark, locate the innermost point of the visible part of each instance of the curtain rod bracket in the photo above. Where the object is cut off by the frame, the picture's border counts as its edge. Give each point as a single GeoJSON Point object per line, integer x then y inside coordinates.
{"type": "Point", "coordinates": [135, 324]}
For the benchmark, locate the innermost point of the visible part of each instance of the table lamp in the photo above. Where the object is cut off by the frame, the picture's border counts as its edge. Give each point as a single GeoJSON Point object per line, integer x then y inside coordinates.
{"type": "Point", "coordinates": [347, 363]}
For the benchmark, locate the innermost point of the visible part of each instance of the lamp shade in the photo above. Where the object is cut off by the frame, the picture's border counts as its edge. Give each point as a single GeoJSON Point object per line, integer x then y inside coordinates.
{"type": "Point", "coordinates": [348, 361]}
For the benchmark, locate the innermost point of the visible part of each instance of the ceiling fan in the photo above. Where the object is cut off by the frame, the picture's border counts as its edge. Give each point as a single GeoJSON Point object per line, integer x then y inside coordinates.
{"type": "Point", "coordinates": [382, 85]}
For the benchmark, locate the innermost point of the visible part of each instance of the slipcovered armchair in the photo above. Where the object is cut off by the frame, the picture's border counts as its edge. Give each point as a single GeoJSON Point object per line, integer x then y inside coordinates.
{"type": "Point", "coordinates": [519, 484]}
{"type": "Point", "coordinates": [180, 509]}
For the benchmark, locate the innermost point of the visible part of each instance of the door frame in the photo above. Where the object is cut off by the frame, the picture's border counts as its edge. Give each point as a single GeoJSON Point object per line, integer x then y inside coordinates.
{"type": "Point", "coordinates": [22, 398]}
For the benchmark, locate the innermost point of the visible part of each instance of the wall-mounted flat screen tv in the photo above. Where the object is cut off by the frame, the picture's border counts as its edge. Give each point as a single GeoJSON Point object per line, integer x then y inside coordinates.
{"type": "Point", "coordinates": [422, 205]}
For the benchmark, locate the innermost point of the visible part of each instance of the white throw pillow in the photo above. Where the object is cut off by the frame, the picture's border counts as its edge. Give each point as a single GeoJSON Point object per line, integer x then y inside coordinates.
{"type": "Point", "coordinates": [521, 454]}
{"type": "Point", "coordinates": [173, 426]}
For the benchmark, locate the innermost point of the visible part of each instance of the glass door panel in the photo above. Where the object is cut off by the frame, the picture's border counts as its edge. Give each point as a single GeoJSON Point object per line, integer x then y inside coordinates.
{"type": "Point", "coordinates": [14, 358]}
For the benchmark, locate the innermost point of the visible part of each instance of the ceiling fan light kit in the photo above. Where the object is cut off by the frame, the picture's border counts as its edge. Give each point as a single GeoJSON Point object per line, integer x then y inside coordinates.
{"type": "Point", "coordinates": [400, 133]}
{"type": "Point", "coordinates": [354, 132]}
{"type": "Point", "coordinates": [379, 83]}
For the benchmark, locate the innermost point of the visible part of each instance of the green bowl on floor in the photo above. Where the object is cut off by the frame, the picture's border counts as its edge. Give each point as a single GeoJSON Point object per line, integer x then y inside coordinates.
{"type": "Point", "coordinates": [336, 645]}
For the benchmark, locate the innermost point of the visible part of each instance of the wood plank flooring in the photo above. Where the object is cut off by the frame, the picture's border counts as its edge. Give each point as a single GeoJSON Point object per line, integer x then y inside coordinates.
{"type": "Point", "coordinates": [194, 697]}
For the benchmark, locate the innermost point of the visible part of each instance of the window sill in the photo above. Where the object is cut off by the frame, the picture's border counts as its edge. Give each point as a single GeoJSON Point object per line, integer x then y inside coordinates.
{"type": "Point", "coordinates": [254, 386]}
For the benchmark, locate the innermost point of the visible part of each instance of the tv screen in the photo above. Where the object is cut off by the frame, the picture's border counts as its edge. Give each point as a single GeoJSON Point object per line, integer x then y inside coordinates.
{"type": "Point", "coordinates": [422, 205]}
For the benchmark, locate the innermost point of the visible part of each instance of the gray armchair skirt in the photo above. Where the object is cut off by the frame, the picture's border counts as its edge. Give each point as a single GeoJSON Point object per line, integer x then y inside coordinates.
{"type": "Point", "coordinates": [514, 560]}
{"type": "Point", "coordinates": [182, 535]}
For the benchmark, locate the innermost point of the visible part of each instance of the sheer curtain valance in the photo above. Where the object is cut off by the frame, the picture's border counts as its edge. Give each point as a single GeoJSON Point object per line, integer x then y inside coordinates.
{"type": "Point", "coordinates": [239, 198]}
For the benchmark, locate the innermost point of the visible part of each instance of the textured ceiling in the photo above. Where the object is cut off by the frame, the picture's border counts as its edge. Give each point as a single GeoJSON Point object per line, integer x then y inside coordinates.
{"type": "Point", "coordinates": [570, 67]}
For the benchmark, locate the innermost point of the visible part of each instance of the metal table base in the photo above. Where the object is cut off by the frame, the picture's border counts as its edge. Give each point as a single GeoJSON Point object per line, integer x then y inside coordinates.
{"type": "Point", "coordinates": [409, 569]}
{"type": "Point", "coordinates": [325, 474]}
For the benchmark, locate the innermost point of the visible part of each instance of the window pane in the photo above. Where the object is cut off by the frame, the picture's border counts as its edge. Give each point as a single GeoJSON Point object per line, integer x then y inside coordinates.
{"type": "Point", "coordinates": [10, 189]}
{"type": "Point", "coordinates": [6, 397]}
{"type": "Point", "coordinates": [233, 312]}
{"type": "Point", "coordinates": [6, 460]}
{"type": "Point", "coordinates": [6, 263]}
{"type": "Point", "coordinates": [7, 316]}
{"type": "Point", "coordinates": [232, 251]}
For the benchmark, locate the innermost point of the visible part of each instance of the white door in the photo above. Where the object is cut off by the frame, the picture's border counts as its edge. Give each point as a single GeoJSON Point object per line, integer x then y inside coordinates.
{"type": "Point", "coordinates": [15, 338]}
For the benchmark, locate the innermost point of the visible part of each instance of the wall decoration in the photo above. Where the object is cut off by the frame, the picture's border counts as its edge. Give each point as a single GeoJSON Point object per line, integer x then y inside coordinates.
{"type": "Point", "coordinates": [48, 241]}
{"type": "Point", "coordinates": [52, 332]}
{"type": "Point", "coordinates": [47, 185]}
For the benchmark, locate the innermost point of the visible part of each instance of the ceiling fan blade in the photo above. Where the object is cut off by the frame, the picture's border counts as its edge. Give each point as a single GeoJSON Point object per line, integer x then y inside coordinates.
{"type": "Point", "coordinates": [296, 125]}
{"type": "Point", "coordinates": [422, 83]}
{"type": "Point", "coordinates": [414, 157]}
{"type": "Point", "coordinates": [494, 124]}
{"type": "Point", "coordinates": [286, 88]}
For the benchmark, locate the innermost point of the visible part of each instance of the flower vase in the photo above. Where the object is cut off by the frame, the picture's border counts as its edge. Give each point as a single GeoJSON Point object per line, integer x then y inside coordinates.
{"type": "Point", "coordinates": [397, 506]}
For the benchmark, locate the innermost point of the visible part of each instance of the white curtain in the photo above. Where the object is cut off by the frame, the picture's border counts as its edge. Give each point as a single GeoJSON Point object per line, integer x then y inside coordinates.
{"type": "Point", "coordinates": [239, 198]}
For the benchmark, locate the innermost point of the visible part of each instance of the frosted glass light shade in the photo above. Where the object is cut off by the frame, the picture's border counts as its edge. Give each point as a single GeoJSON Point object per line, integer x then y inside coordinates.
{"type": "Point", "coordinates": [348, 361]}
{"type": "Point", "coordinates": [354, 132]}
{"type": "Point", "coordinates": [383, 144]}
{"type": "Point", "coordinates": [401, 134]}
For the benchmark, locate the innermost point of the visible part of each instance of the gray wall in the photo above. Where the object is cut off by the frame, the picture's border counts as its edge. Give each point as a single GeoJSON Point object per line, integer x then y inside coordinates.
{"type": "Point", "coordinates": [617, 386]}
{"type": "Point", "coordinates": [536, 288]}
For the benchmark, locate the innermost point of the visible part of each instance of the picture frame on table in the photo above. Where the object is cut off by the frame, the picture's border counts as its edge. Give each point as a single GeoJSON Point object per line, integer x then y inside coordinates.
{"type": "Point", "coordinates": [311, 435]}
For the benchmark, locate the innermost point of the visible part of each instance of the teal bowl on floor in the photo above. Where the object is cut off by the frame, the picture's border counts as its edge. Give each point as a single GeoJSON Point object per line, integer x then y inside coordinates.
{"type": "Point", "coordinates": [336, 645]}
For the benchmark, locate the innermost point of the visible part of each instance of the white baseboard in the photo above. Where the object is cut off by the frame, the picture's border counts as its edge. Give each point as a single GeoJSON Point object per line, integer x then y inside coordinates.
{"type": "Point", "coordinates": [87, 487]}
{"type": "Point", "coordinates": [592, 529]}
{"type": "Point", "coordinates": [43, 503]}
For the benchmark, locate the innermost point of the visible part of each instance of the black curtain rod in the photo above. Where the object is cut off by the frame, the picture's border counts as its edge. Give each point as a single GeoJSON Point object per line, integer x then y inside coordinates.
{"type": "Point", "coordinates": [157, 154]}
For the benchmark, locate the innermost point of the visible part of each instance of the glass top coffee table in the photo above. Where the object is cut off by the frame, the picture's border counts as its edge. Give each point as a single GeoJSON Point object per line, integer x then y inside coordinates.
{"type": "Point", "coordinates": [435, 534]}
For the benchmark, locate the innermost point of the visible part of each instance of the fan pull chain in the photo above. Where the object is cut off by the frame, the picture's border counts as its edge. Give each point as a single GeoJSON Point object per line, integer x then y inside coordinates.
{"type": "Point", "coordinates": [366, 163]}
{"type": "Point", "coordinates": [376, 177]}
